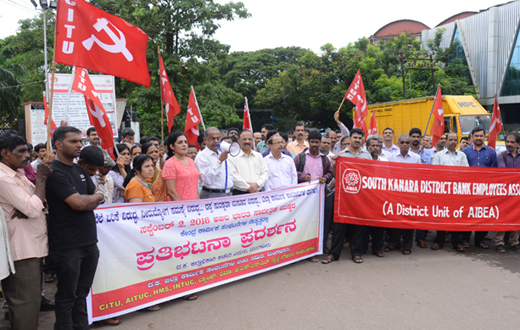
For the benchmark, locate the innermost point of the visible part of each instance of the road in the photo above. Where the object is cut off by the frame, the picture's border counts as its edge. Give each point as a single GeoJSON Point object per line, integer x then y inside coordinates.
{"type": "Point", "coordinates": [478, 289]}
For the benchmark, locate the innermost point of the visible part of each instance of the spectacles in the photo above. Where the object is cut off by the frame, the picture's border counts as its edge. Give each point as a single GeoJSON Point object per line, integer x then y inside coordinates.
{"type": "Point", "coordinates": [404, 142]}
{"type": "Point", "coordinates": [277, 143]}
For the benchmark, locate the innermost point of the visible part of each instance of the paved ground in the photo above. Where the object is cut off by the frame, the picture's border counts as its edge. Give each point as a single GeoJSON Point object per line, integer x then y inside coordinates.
{"type": "Point", "coordinates": [478, 289]}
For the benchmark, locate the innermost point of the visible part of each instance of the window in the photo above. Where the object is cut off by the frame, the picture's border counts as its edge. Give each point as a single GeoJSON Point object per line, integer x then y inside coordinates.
{"type": "Point", "coordinates": [512, 80]}
{"type": "Point", "coordinates": [459, 53]}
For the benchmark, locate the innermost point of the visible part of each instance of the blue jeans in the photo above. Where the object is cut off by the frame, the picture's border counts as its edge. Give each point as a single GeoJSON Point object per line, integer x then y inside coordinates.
{"type": "Point", "coordinates": [75, 269]}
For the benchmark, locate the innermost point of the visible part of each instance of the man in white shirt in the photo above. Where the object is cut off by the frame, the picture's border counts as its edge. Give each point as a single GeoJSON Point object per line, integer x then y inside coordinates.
{"type": "Point", "coordinates": [439, 146]}
{"type": "Point", "coordinates": [40, 150]}
{"type": "Point", "coordinates": [337, 148]}
{"type": "Point", "coordinates": [249, 170]}
{"type": "Point", "coordinates": [403, 156]}
{"type": "Point", "coordinates": [216, 176]}
{"type": "Point", "coordinates": [282, 171]}
{"type": "Point", "coordinates": [325, 145]}
{"type": "Point", "coordinates": [388, 138]}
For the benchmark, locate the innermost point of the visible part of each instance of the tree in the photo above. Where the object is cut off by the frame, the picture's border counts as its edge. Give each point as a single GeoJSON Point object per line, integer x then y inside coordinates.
{"type": "Point", "coordinates": [10, 89]}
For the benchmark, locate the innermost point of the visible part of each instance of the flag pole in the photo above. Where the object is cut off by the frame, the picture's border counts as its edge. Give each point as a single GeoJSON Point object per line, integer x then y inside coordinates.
{"type": "Point", "coordinates": [198, 109]}
{"type": "Point", "coordinates": [431, 111]}
{"type": "Point", "coordinates": [500, 116]}
{"type": "Point", "coordinates": [49, 119]}
{"type": "Point", "coordinates": [162, 101]}
{"type": "Point", "coordinates": [341, 104]}
{"type": "Point", "coordinates": [69, 92]}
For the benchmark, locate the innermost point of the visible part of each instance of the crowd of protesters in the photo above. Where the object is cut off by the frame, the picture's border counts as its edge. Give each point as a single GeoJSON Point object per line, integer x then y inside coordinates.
{"type": "Point", "coordinates": [48, 227]}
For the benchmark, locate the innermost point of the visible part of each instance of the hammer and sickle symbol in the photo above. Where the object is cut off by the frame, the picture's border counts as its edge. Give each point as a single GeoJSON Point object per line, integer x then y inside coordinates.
{"type": "Point", "coordinates": [119, 45]}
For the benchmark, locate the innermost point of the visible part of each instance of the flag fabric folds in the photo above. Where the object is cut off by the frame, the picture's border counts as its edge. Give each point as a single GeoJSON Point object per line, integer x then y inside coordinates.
{"type": "Point", "coordinates": [356, 95]}
{"type": "Point", "coordinates": [373, 125]}
{"type": "Point", "coordinates": [46, 108]}
{"type": "Point", "coordinates": [438, 121]}
{"type": "Point", "coordinates": [96, 113]}
{"type": "Point", "coordinates": [247, 118]}
{"type": "Point", "coordinates": [170, 101]}
{"type": "Point", "coordinates": [496, 125]}
{"type": "Point", "coordinates": [193, 119]}
{"type": "Point", "coordinates": [91, 38]}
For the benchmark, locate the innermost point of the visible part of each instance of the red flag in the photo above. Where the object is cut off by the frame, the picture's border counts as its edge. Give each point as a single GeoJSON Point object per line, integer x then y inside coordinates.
{"type": "Point", "coordinates": [247, 118]}
{"type": "Point", "coordinates": [438, 121]}
{"type": "Point", "coordinates": [90, 38]}
{"type": "Point", "coordinates": [53, 125]}
{"type": "Point", "coordinates": [356, 95]}
{"type": "Point", "coordinates": [170, 102]}
{"type": "Point", "coordinates": [496, 125]}
{"type": "Point", "coordinates": [193, 119]}
{"type": "Point", "coordinates": [96, 113]}
{"type": "Point", "coordinates": [373, 125]}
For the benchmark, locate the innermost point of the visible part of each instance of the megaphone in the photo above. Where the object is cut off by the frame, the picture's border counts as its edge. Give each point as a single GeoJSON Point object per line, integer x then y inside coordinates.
{"type": "Point", "coordinates": [233, 148]}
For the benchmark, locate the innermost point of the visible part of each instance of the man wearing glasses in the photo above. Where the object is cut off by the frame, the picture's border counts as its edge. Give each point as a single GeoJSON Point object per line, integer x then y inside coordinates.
{"type": "Point", "coordinates": [403, 156]}
{"type": "Point", "coordinates": [282, 171]}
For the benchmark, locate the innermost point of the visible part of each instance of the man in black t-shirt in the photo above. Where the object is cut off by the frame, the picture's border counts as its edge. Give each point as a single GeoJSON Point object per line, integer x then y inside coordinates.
{"type": "Point", "coordinates": [72, 197]}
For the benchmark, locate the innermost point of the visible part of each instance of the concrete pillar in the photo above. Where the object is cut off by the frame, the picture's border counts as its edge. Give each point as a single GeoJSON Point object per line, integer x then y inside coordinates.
{"type": "Point", "coordinates": [492, 51]}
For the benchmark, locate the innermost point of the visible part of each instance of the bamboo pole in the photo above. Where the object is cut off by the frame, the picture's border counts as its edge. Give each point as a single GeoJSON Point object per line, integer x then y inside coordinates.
{"type": "Point", "coordinates": [162, 101]}
{"type": "Point", "coordinates": [49, 119]}
{"type": "Point", "coordinates": [341, 104]}
{"type": "Point", "coordinates": [431, 111]}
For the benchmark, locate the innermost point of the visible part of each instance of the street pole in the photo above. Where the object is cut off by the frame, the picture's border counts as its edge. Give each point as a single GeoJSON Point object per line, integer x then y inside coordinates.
{"type": "Point", "coordinates": [45, 52]}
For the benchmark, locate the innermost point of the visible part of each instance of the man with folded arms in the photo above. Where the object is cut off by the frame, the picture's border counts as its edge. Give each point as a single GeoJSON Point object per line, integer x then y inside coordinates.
{"type": "Point", "coordinates": [23, 205]}
{"type": "Point", "coordinates": [216, 176]}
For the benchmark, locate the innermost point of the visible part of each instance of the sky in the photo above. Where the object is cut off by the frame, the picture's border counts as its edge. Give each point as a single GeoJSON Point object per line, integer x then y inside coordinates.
{"type": "Point", "coordinates": [304, 23]}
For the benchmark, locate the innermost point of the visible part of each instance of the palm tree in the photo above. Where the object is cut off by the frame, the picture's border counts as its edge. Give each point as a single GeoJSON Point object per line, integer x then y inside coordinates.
{"type": "Point", "coordinates": [10, 89]}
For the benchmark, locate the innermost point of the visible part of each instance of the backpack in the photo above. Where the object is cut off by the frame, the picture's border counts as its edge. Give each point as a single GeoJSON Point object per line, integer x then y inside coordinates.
{"type": "Point", "coordinates": [303, 158]}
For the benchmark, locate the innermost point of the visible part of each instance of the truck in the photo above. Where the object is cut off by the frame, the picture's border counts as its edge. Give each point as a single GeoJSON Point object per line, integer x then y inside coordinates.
{"type": "Point", "coordinates": [462, 113]}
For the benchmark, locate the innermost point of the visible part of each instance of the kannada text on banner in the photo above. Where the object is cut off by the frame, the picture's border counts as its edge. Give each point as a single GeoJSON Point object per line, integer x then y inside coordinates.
{"type": "Point", "coordinates": [154, 252]}
{"type": "Point", "coordinates": [429, 197]}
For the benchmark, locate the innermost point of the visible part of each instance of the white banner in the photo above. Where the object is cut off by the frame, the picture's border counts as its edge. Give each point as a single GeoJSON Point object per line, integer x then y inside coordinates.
{"type": "Point", "coordinates": [155, 252]}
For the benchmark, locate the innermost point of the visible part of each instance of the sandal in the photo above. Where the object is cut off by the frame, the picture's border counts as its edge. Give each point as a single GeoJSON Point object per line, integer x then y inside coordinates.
{"type": "Point", "coordinates": [466, 245]}
{"type": "Point", "coordinates": [313, 259]}
{"type": "Point", "coordinates": [379, 254]}
{"type": "Point", "coordinates": [483, 246]}
{"type": "Point", "coordinates": [357, 259]}
{"type": "Point", "coordinates": [390, 248]}
{"type": "Point", "coordinates": [328, 259]}
{"type": "Point", "coordinates": [460, 248]}
{"type": "Point", "coordinates": [112, 321]}
{"type": "Point", "coordinates": [326, 250]}
{"type": "Point", "coordinates": [407, 252]}
{"type": "Point", "coordinates": [153, 308]}
{"type": "Point", "coordinates": [190, 297]}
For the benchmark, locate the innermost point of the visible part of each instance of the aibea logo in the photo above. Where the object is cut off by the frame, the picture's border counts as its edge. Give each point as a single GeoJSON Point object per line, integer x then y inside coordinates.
{"type": "Point", "coordinates": [351, 181]}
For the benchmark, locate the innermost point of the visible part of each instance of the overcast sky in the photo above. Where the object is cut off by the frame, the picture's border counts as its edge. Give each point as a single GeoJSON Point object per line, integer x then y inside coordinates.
{"type": "Point", "coordinates": [304, 23]}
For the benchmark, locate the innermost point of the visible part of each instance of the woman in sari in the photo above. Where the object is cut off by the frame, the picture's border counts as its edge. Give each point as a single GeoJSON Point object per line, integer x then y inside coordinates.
{"type": "Point", "coordinates": [156, 182]}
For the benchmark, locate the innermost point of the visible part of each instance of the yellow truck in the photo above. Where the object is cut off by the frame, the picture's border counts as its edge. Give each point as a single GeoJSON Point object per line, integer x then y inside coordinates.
{"type": "Point", "coordinates": [461, 114]}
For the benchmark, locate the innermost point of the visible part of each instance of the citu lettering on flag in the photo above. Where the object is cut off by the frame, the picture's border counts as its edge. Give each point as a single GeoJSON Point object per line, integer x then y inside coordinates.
{"type": "Point", "coordinates": [193, 119]}
{"type": "Point", "coordinates": [356, 94]}
{"type": "Point", "coordinates": [91, 38]}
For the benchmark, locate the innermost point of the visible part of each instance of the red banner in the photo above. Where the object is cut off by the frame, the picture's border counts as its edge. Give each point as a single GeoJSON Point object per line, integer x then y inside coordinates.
{"type": "Point", "coordinates": [170, 101]}
{"type": "Point", "coordinates": [429, 197]}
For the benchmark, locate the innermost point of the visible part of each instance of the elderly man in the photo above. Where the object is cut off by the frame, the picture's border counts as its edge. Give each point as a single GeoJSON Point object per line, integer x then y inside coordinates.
{"type": "Point", "coordinates": [22, 203]}
{"type": "Point", "coordinates": [258, 137]}
{"type": "Point", "coordinates": [509, 158]}
{"type": "Point", "coordinates": [127, 136]}
{"type": "Point", "coordinates": [403, 156]}
{"type": "Point", "coordinates": [216, 177]}
{"type": "Point", "coordinates": [340, 229]}
{"type": "Point", "coordinates": [388, 139]}
{"type": "Point", "coordinates": [282, 171]}
{"type": "Point", "coordinates": [249, 170]}
{"type": "Point", "coordinates": [299, 145]}
{"type": "Point", "coordinates": [262, 147]}
{"type": "Point", "coordinates": [449, 157]}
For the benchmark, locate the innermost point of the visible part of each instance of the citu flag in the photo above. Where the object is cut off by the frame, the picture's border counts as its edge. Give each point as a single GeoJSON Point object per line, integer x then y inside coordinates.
{"type": "Point", "coordinates": [171, 105]}
{"type": "Point", "coordinates": [91, 38]}
{"type": "Point", "coordinates": [96, 113]}
{"type": "Point", "coordinates": [496, 125]}
{"type": "Point", "coordinates": [373, 125]}
{"type": "Point", "coordinates": [356, 94]}
{"type": "Point", "coordinates": [193, 119]}
{"type": "Point", "coordinates": [247, 118]}
{"type": "Point", "coordinates": [46, 108]}
{"type": "Point", "coordinates": [438, 119]}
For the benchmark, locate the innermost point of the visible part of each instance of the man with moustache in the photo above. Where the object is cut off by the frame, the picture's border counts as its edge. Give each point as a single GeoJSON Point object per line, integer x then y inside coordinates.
{"type": "Point", "coordinates": [282, 171]}
{"type": "Point", "coordinates": [425, 154]}
{"type": "Point", "coordinates": [299, 145]}
{"type": "Point", "coordinates": [325, 146]}
{"type": "Point", "coordinates": [262, 147]}
{"type": "Point", "coordinates": [23, 205]}
{"type": "Point", "coordinates": [250, 173]}
{"type": "Point", "coordinates": [509, 158]}
{"type": "Point", "coordinates": [480, 155]}
{"type": "Point", "coordinates": [344, 132]}
{"type": "Point", "coordinates": [374, 148]}
{"type": "Point", "coordinates": [216, 178]}
{"type": "Point", "coordinates": [464, 142]}
{"type": "Point", "coordinates": [450, 157]}
{"type": "Point", "coordinates": [439, 146]}
{"type": "Point", "coordinates": [388, 138]}
{"type": "Point", "coordinates": [93, 138]}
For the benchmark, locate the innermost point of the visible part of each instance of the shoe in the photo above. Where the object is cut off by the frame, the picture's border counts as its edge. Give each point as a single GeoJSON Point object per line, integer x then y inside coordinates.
{"type": "Point", "coordinates": [48, 278]}
{"type": "Point", "coordinates": [436, 246]}
{"type": "Point", "coordinates": [112, 321]}
{"type": "Point", "coordinates": [422, 244]}
{"type": "Point", "coordinates": [47, 305]}
{"type": "Point", "coordinates": [516, 248]}
{"type": "Point", "coordinates": [500, 249]}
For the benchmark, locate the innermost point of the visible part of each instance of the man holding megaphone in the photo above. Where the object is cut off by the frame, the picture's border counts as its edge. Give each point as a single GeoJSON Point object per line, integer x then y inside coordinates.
{"type": "Point", "coordinates": [216, 177]}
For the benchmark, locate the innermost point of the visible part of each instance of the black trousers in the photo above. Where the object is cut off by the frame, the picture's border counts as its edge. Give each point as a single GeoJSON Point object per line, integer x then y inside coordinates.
{"type": "Point", "coordinates": [360, 239]}
{"type": "Point", "coordinates": [75, 269]}
{"type": "Point", "coordinates": [395, 238]}
{"type": "Point", "coordinates": [440, 237]}
{"type": "Point", "coordinates": [328, 217]}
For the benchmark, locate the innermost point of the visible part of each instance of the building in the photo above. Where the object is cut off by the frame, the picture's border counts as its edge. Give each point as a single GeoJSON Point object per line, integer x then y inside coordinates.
{"type": "Point", "coordinates": [490, 46]}
{"type": "Point", "coordinates": [393, 29]}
